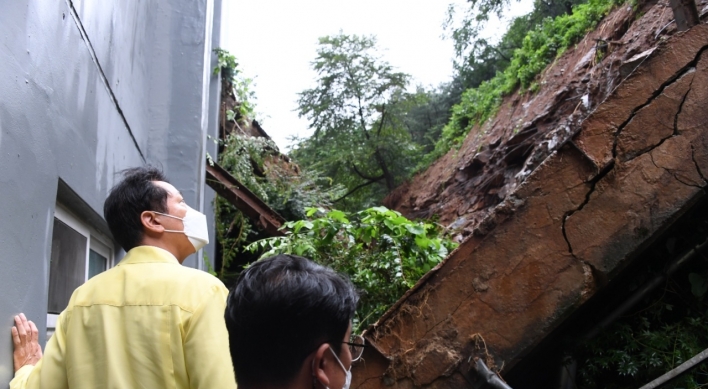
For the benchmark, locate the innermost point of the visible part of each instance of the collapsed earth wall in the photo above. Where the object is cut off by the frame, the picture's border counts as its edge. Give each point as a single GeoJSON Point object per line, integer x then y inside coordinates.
{"type": "Point", "coordinates": [622, 170]}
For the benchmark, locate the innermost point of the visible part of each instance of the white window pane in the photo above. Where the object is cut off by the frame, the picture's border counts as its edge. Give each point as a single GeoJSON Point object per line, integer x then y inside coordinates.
{"type": "Point", "coordinates": [97, 263]}
{"type": "Point", "coordinates": [68, 265]}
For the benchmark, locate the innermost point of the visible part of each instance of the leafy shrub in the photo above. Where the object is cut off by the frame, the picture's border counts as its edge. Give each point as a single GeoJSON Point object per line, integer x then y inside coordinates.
{"type": "Point", "coordinates": [384, 253]}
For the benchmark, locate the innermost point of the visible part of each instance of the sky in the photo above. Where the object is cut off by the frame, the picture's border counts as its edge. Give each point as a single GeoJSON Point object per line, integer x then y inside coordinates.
{"type": "Point", "coordinates": [276, 40]}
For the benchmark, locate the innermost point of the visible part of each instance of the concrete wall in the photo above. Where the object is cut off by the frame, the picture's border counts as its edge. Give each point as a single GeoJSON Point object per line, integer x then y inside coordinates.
{"type": "Point", "coordinates": [90, 88]}
{"type": "Point", "coordinates": [213, 132]}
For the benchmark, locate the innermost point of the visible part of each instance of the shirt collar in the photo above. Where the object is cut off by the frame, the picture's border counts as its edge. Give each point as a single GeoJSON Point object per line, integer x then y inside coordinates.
{"type": "Point", "coordinates": [148, 254]}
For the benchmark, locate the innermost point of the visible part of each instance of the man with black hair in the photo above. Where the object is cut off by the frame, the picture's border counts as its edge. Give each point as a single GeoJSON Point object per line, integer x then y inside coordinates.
{"type": "Point", "coordinates": [146, 323]}
{"type": "Point", "coordinates": [289, 323]}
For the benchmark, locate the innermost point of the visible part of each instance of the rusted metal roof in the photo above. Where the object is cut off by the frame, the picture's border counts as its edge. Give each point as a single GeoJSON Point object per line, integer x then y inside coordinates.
{"type": "Point", "coordinates": [228, 187]}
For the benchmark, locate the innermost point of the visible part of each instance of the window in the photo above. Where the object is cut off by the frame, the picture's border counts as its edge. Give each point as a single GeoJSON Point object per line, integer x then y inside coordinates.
{"type": "Point", "coordinates": [79, 252]}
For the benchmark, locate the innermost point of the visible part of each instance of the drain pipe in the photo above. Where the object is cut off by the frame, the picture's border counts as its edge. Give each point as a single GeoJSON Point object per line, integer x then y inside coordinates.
{"type": "Point", "coordinates": [490, 378]}
{"type": "Point", "coordinates": [683, 368]}
{"type": "Point", "coordinates": [567, 376]}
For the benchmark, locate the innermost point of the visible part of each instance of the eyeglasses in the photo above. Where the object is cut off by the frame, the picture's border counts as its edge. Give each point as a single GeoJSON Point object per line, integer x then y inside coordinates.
{"type": "Point", "coordinates": [356, 346]}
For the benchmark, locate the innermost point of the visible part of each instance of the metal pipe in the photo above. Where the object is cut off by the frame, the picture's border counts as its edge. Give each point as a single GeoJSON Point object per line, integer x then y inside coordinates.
{"type": "Point", "coordinates": [490, 377]}
{"type": "Point", "coordinates": [680, 370]}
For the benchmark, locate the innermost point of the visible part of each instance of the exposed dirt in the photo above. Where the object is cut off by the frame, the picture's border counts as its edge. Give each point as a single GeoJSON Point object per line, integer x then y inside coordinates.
{"type": "Point", "coordinates": [464, 186]}
{"type": "Point", "coordinates": [555, 195]}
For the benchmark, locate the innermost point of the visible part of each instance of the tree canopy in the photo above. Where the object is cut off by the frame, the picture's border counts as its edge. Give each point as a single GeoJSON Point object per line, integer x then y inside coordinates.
{"type": "Point", "coordinates": [359, 138]}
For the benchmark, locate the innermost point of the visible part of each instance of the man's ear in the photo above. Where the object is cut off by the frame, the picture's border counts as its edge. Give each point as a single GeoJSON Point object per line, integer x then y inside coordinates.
{"type": "Point", "coordinates": [321, 365]}
{"type": "Point", "coordinates": [150, 223]}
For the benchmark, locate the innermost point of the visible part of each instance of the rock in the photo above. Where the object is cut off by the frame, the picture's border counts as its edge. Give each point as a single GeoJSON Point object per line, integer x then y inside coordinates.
{"type": "Point", "coordinates": [629, 65]}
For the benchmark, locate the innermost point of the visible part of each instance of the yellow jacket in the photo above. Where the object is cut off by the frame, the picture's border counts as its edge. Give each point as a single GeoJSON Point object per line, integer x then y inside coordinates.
{"type": "Point", "coordinates": [147, 323]}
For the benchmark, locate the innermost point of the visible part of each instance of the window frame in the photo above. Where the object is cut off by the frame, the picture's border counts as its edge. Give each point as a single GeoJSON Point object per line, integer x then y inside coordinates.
{"type": "Point", "coordinates": [95, 240]}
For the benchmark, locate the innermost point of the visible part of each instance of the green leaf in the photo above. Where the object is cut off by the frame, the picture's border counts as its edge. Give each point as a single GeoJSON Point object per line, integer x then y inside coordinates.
{"type": "Point", "coordinates": [380, 209]}
{"type": "Point", "coordinates": [338, 216]}
{"type": "Point", "coordinates": [422, 241]}
{"type": "Point", "coordinates": [699, 284]}
{"type": "Point", "coordinates": [415, 229]}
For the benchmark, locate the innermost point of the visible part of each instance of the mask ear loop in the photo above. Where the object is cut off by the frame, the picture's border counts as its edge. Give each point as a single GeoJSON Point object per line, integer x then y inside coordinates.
{"type": "Point", "coordinates": [172, 216]}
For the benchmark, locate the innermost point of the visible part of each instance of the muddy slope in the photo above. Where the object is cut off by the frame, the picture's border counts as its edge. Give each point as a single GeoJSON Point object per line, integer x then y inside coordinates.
{"type": "Point", "coordinates": [462, 187]}
{"type": "Point", "coordinates": [566, 202]}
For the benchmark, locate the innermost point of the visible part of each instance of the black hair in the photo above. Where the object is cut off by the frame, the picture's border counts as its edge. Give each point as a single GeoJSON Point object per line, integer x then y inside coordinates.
{"type": "Point", "coordinates": [129, 198]}
{"type": "Point", "coordinates": [280, 310]}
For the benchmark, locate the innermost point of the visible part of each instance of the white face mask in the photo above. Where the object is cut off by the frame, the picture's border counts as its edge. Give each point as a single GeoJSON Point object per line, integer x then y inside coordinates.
{"type": "Point", "coordinates": [348, 379]}
{"type": "Point", "coordinates": [195, 227]}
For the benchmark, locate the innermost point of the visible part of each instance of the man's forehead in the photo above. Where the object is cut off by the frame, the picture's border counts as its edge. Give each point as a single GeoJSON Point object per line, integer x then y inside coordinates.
{"type": "Point", "coordinates": [171, 190]}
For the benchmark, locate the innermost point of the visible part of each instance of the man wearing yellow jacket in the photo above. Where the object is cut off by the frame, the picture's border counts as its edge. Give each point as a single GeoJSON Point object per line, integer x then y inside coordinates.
{"type": "Point", "coordinates": [148, 322]}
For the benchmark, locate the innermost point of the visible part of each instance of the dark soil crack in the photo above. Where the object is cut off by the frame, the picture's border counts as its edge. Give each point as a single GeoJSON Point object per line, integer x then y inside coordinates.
{"type": "Point", "coordinates": [593, 183]}
{"type": "Point", "coordinates": [680, 108]}
{"type": "Point", "coordinates": [680, 73]}
{"type": "Point", "coordinates": [698, 168]}
{"type": "Point", "coordinates": [675, 132]}
{"type": "Point", "coordinates": [363, 383]}
{"type": "Point", "coordinates": [674, 175]}
{"type": "Point", "coordinates": [462, 301]}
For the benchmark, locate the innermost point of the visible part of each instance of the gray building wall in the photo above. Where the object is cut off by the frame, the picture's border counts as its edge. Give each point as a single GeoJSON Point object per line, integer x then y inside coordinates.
{"type": "Point", "coordinates": [90, 88]}
{"type": "Point", "coordinates": [213, 130]}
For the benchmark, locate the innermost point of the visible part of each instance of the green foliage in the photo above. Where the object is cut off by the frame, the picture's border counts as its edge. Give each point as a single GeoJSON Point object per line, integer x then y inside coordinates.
{"type": "Point", "coordinates": [226, 64]}
{"type": "Point", "coordinates": [256, 163]}
{"type": "Point", "coordinates": [232, 233]}
{"type": "Point", "coordinates": [243, 156]}
{"type": "Point", "coordinates": [425, 113]}
{"type": "Point", "coordinates": [359, 138]}
{"type": "Point", "coordinates": [383, 252]}
{"type": "Point", "coordinates": [241, 87]}
{"type": "Point", "coordinates": [642, 346]}
{"type": "Point", "coordinates": [540, 46]}
{"type": "Point", "coordinates": [286, 188]}
{"type": "Point", "coordinates": [544, 43]}
{"type": "Point", "coordinates": [479, 60]}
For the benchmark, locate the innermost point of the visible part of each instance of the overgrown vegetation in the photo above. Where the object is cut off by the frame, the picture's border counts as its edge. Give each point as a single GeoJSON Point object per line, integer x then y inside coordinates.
{"type": "Point", "coordinates": [240, 86]}
{"type": "Point", "coordinates": [539, 47]}
{"type": "Point", "coordinates": [384, 253]}
{"type": "Point", "coordinates": [288, 190]}
{"type": "Point", "coordinates": [256, 163]}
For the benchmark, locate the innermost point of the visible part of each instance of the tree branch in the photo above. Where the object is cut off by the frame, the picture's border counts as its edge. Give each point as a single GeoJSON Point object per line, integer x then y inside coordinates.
{"type": "Point", "coordinates": [500, 53]}
{"type": "Point", "coordinates": [364, 176]}
{"type": "Point", "coordinates": [356, 188]}
{"type": "Point", "coordinates": [383, 119]}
